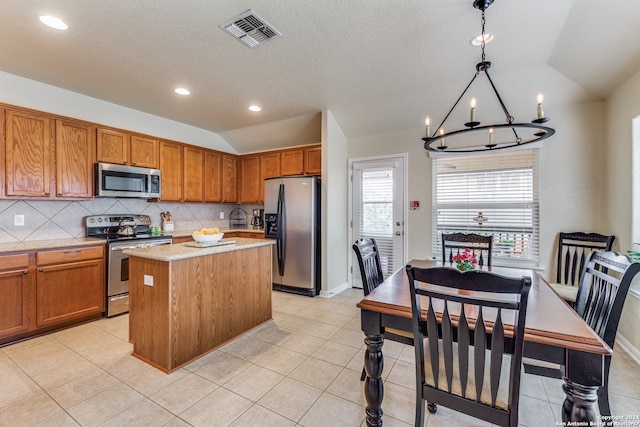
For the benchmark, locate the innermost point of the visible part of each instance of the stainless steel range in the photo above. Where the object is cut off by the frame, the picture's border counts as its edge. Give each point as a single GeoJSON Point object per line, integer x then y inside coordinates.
{"type": "Point", "coordinates": [121, 232]}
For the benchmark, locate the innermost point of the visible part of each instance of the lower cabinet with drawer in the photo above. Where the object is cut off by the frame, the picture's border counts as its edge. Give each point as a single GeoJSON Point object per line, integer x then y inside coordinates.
{"type": "Point", "coordinates": [17, 300]}
{"type": "Point", "coordinates": [43, 290]}
{"type": "Point", "coordinates": [70, 285]}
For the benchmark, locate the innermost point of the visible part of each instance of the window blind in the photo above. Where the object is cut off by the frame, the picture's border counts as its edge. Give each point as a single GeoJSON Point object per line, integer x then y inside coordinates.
{"type": "Point", "coordinates": [491, 194]}
{"type": "Point", "coordinates": [373, 212]}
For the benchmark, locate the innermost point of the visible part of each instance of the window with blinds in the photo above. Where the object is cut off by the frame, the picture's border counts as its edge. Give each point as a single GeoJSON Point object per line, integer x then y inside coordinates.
{"type": "Point", "coordinates": [491, 194]}
{"type": "Point", "coordinates": [373, 211]}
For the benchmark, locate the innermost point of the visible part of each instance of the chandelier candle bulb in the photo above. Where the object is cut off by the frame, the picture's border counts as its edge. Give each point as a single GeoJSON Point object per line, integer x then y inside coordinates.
{"type": "Point", "coordinates": [490, 136]}
{"type": "Point", "coordinates": [442, 140]}
{"type": "Point", "coordinates": [539, 109]}
{"type": "Point", "coordinates": [427, 123]}
{"type": "Point", "coordinates": [472, 116]}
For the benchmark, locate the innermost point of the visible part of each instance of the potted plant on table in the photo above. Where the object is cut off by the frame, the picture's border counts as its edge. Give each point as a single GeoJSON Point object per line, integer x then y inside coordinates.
{"type": "Point", "coordinates": [465, 260]}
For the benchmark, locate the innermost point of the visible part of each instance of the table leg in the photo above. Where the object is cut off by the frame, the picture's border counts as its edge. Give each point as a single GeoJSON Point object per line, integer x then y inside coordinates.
{"type": "Point", "coordinates": [583, 377]}
{"type": "Point", "coordinates": [580, 403]}
{"type": "Point", "coordinates": [373, 387]}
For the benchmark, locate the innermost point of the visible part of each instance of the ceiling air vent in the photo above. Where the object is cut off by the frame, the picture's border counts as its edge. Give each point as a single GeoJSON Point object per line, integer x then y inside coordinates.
{"type": "Point", "coordinates": [250, 29]}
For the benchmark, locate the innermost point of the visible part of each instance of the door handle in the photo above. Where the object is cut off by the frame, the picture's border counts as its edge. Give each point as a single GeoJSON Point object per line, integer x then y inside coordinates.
{"type": "Point", "coordinates": [398, 223]}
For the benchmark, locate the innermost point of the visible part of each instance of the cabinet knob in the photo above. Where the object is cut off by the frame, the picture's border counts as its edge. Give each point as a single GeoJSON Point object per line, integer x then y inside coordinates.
{"type": "Point", "coordinates": [47, 193]}
{"type": "Point", "coordinates": [125, 162]}
{"type": "Point", "coordinates": [41, 270]}
{"type": "Point", "coordinates": [134, 163]}
{"type": "Point", "coordinates": [59, 194]}
{"type": "Point", "coordinates": [25, 271]}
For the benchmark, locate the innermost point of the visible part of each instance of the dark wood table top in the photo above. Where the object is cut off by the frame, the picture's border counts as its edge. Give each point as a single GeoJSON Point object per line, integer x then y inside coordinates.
{"type": "Point", "coordinates": [550, 320]}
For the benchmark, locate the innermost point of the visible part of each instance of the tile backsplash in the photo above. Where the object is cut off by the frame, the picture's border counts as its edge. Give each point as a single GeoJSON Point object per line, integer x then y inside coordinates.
{"type": "Point", "coordinates": [46, 220]}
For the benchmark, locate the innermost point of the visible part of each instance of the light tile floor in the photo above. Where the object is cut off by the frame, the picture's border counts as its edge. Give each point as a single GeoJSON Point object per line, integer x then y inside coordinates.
{"type": "Point", "coordinates": [300, 369]}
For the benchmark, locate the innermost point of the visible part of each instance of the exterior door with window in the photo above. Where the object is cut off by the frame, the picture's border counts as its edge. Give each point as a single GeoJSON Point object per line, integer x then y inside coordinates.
{"type": "Point", "coordinates": [377, 211]}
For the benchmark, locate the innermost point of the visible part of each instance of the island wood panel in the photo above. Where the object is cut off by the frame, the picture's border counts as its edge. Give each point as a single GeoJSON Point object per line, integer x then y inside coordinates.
{"type": "Point", "coordinates": [196, 304]}
{"type": "Point", "coordinates": [149, 311]}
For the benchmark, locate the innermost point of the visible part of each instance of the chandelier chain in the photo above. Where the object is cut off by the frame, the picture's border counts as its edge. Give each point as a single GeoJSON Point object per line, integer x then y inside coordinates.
{"type": "Point", "coordinates": [482, 43]}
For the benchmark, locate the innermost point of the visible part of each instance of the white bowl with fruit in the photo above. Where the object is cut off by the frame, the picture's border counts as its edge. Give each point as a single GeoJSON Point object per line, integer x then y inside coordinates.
{"type": "Point", "coordinates": [207, 235]}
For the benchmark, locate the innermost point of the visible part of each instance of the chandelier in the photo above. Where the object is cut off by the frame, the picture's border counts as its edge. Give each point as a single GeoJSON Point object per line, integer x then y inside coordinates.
{"type": "Point", "coordinates": [473, 137]}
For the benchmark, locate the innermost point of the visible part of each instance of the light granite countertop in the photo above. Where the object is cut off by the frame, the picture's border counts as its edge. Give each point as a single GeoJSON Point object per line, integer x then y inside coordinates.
{"type": "Point", "coordinates": [35, 245]}
{"type": "Point", "coordinates": [182, 251]}
{"type": "Point", "coordinates": [188, 232]}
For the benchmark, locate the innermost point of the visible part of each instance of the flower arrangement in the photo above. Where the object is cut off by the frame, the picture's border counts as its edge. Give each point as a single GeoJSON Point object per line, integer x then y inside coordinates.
{"type": "Point", "coordinates": [465, 260]}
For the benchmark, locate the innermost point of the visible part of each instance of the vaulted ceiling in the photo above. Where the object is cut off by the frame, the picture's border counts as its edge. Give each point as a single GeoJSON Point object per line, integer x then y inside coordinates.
{"type": "Point", "coordinates": [378, 65]}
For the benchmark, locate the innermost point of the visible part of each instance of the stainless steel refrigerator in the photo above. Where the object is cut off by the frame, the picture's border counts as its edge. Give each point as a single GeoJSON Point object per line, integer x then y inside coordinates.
{"type": "Point", "coordinates": [292, 217]}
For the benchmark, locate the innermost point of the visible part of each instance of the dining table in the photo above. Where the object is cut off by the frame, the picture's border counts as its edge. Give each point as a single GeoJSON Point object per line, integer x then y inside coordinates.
{"type": "Point", "coordinates": [554, 332]}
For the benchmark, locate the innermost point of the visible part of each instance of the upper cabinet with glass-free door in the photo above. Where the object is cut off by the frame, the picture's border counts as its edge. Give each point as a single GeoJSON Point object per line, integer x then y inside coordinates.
{"type": "Point", "coordinates": [124, 148]}
{"type": "Point", "coordinates": [47, 158]}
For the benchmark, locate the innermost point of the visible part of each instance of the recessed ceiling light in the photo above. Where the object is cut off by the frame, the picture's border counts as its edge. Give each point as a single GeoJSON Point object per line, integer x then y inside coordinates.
{"type": "Point", "coordinates": [182, 91]}
{"type": "Point", "coordinates": [477, 40]}
{"type": "Point", "coordinates": [255, 108]}
{"type": "Point", "coordinates": [53, 22]}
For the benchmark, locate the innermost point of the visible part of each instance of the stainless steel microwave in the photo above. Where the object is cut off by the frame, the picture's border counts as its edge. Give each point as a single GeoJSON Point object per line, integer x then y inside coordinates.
{"type": "Point", "coordinates": [126, 181]}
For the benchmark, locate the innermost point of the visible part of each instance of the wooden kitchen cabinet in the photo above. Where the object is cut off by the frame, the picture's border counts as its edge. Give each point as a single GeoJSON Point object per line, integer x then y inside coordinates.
{"type": "Point", "coordinates": [70, 285]}
{"type": "Point", "coordinates": [292, 162]}
{"type": "Point", "coordinates": [29, 151]}
{"type": "Point", "coordinates": [249, 179]}
{"type": "Point", "coordinates": [113, 146]}
{"type": "Point", "coordinates": [171, 169]}
{"type": "Point", "coordinates": [229, 179]}
{"type": "Point", "coordinates": [75, 156]}
{"type": "Point", "coordinates": [193, 174]}
{"type": "Point", "coordinates": [212, 176]}
{"type": "Point", "coordinates": [144, 152]}
{"type": "Point", "coordinates": [123, 148]}
{"type": "Point", "coordinates": [16, 296]}
{"type": "Point", "coordinates": [47, 158]}
{"type": "Point", "coordinates": [313, 160]}
{"type": "Point", "coordinates": [269, 168]}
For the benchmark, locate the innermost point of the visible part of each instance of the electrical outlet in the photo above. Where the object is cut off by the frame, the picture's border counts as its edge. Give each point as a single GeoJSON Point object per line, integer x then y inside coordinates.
{"type": "Point", "coordinates": [221, 215]}
{"type": "Point", "coordinates": [18, 220]}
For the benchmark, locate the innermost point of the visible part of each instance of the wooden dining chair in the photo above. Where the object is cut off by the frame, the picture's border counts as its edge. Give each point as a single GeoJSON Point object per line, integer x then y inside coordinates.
{"type": "Point", "coordinates": [468, 361]}
{"type": "Point", "coordinates": [454, 243]}
{"type": "Point", "coordinates": [602, 292]}
{"type": "Point", "coordinates": [371, 272]}
{"type": "Point", "coordinates": [573, 249]}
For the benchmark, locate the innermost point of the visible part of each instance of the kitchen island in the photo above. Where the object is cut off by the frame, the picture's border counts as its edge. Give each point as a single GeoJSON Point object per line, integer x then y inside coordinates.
{"type": "Point", "coordinates": [186, 301]}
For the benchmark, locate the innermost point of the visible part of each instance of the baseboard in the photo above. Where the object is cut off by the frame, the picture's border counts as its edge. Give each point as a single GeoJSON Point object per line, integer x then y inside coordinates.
{"type": "Point", "coordinates": [335, 291]}
{"type": "Point", "coordinates": [628, 348]}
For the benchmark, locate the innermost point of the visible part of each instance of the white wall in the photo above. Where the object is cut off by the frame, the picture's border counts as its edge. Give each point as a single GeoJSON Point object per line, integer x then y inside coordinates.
{"type": "Point", "coordinates": [23, 92]}
{"type": "Point", "coordinates": [334, 207]}
{"type": "Point", "coordinates": [572, 179]}
{"type": "Point", "coordinates": [622, 108]}
{"type": "Point", "coordinates": [418, 227]}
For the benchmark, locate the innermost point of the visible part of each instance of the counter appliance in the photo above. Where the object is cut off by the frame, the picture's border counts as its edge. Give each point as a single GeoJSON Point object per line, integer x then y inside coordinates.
{"type": "Point", "coordinates": [292, 217]}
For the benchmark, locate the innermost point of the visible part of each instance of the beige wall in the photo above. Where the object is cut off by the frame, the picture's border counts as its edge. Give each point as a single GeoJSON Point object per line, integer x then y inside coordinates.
{"type": "Point", "coordinates": [31, 94]}
{"type": "Point", "coordinates": [334, 207]}
{"type": "Point", "coordinates": [572, 182]}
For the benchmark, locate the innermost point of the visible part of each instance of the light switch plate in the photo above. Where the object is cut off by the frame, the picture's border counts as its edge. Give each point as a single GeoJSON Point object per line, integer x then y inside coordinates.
{"type": "Point", "coordinates": [148, 280]}
{"type": "Point", "coordinates": [18, 220]}
{"type": "Point", "coordinates": [221, 215]}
